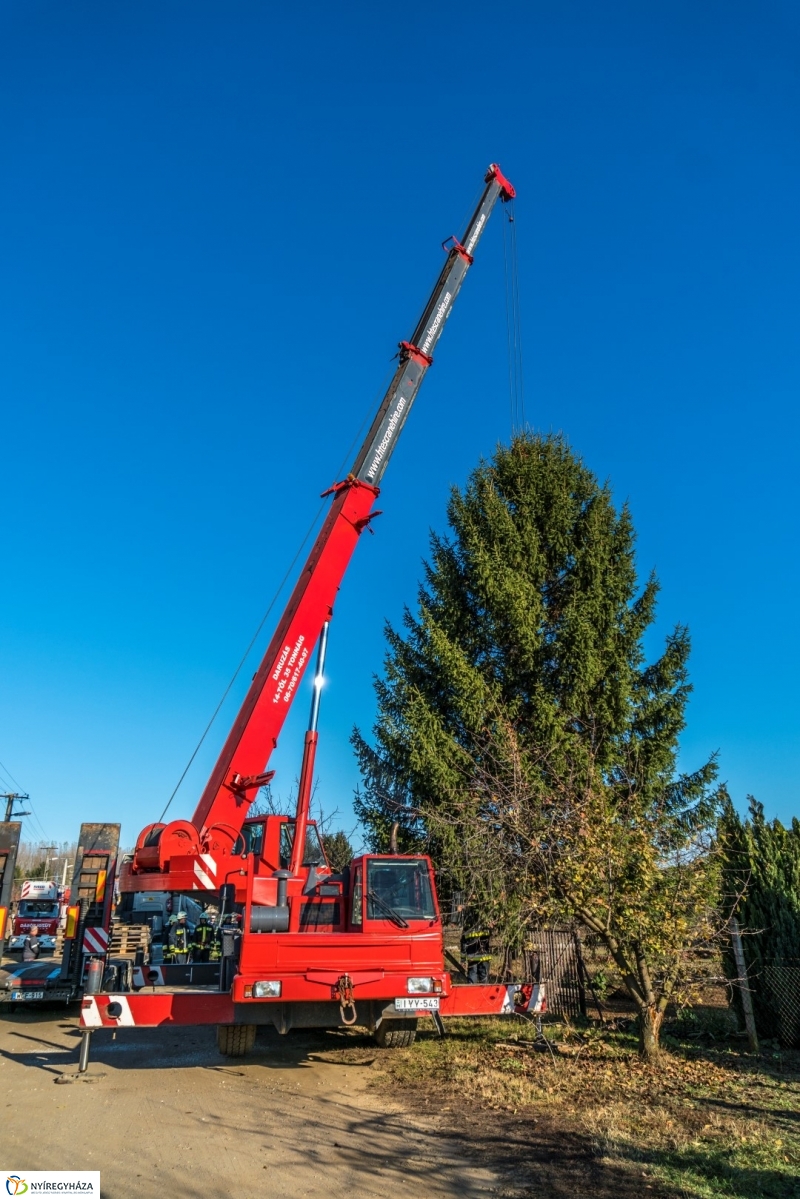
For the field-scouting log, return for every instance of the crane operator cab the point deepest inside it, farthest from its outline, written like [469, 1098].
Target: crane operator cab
[397, 890]
[376, 892]
[274, 848]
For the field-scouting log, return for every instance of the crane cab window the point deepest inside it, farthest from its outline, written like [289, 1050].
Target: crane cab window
[313, 855]
[399, 890]
[356, 911]
[253, 839]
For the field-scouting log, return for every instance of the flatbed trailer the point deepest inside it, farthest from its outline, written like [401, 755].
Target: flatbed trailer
[88, 923]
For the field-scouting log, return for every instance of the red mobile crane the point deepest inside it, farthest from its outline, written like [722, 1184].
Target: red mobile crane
[315, 948]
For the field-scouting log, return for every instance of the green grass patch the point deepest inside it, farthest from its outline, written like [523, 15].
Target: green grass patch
[709, 1121]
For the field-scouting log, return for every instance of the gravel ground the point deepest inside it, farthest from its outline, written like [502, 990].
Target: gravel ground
[162, 1113]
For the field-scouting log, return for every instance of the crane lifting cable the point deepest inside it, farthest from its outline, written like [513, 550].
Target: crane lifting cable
[516, 383]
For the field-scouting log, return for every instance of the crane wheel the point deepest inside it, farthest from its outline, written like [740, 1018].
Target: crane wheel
[396, 1034]
[235, 1040]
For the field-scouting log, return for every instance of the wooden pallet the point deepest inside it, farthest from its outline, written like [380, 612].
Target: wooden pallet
[127, 938]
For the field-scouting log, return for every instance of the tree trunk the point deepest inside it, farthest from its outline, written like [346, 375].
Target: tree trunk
[650, 1020]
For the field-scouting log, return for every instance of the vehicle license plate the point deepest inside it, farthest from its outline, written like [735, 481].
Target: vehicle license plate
[417, 1003]
[15, 995]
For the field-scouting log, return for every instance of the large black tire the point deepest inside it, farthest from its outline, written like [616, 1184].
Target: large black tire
[235, 1040]
[396, 1034]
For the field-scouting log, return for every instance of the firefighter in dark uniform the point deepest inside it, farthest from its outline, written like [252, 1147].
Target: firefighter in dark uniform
[179, 941]
[203, 940]
[475, 950]
[227, 925]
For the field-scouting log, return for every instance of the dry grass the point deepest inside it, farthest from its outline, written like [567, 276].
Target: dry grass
[710, 1121]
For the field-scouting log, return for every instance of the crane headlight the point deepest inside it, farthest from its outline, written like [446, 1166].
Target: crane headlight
[267, 990]
[424, 986]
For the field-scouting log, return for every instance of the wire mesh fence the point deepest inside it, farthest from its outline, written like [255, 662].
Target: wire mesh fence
[782, 990]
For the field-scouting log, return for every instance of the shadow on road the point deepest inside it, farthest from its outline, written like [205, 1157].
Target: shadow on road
[173, 1046]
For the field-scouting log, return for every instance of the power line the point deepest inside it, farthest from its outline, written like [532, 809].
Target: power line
[35, 815]
[14, 782]
[22, 795]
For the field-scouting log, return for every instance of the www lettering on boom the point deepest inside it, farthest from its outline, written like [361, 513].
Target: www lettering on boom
[387, 437]
[437, 320]
[475, 234]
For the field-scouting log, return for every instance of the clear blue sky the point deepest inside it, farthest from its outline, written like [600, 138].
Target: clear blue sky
[218, 219]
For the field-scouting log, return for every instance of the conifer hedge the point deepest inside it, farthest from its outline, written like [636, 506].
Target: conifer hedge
[762, 876]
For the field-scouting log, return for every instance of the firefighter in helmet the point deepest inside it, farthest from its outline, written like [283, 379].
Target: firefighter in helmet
[203, 939]
[179, 941]
[475, 949]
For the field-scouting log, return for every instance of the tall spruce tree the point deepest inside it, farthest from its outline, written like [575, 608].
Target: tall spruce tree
[522, 736]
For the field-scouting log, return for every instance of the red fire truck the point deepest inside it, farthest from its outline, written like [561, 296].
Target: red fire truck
[304, 946]
[38, 907]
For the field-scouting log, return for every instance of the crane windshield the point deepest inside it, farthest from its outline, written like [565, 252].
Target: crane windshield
[401, 887]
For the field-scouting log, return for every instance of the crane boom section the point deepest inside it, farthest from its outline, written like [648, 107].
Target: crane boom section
[239, 770]
[255, 731]
[417, 355]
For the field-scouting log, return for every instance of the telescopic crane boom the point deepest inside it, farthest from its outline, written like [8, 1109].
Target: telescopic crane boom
[302, 946]
[167, 850]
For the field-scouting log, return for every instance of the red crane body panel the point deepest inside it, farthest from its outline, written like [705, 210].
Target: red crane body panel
[186, 1006]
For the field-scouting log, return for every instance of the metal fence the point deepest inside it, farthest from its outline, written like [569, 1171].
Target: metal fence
[782, 989]
[553, 957]
[457, 900]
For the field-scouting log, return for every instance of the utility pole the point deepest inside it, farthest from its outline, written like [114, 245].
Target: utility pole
[11, 798]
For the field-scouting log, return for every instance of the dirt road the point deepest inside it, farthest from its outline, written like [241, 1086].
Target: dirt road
[165, 1114]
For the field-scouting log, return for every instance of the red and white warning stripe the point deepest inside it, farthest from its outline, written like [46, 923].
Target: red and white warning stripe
[95, 940]
[91, 1016]
[538, 1000]
[153, 978]
[38, 890]
[205, 873]
[156, 1008]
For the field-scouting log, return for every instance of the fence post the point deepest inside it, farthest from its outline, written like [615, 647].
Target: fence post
[582, 974]
[747, 999]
